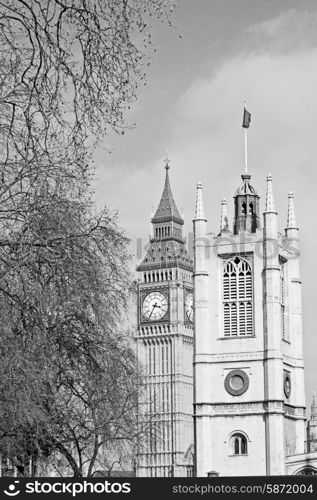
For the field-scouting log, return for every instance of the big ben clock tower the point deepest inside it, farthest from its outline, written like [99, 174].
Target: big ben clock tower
[164, 341]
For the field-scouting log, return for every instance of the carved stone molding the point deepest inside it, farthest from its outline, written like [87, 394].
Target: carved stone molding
[225, 409]
[298, 411]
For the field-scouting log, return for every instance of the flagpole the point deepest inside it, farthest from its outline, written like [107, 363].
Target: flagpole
[245, 147]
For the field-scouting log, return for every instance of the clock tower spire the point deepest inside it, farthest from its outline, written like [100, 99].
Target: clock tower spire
[167, 222]
[164, 341]
[167, 243]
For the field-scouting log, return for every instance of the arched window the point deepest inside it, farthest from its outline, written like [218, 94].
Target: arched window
[307, 471]
[251, 208]
[238, 444]
[237, 298]
[243, 209]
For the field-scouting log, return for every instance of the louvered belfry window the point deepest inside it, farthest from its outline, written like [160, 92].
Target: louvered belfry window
[237, 298]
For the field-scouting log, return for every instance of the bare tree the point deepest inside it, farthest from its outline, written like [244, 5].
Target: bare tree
[69, 70]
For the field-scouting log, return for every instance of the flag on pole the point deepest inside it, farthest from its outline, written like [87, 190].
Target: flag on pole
[246, 119]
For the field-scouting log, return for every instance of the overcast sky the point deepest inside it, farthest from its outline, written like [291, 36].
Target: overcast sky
[261, 51]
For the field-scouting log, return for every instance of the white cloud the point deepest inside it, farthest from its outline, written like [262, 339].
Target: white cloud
[290, 31]
[281, 96]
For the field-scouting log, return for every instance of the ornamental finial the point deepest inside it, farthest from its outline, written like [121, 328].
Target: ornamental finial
[291, 219]
[167, 161]
[224, 218]
[269, 195]
[199, 202]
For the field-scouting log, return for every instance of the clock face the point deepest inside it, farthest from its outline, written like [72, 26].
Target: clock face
[189, 306]
[154, 306]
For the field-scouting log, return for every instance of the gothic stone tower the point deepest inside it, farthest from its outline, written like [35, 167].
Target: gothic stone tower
[249, 403]
[165, 343]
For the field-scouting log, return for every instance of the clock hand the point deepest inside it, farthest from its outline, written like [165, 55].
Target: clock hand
[153, 307]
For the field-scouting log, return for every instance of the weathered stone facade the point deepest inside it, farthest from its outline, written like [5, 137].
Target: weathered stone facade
[249, 405]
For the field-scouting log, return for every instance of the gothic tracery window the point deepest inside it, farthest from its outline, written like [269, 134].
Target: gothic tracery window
[237, 298]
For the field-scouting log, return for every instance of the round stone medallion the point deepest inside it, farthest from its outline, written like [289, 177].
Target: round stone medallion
[287, 385]
[236, 382]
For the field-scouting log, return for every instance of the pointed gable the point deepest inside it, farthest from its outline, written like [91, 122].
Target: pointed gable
[167, 209]
[167, 245]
